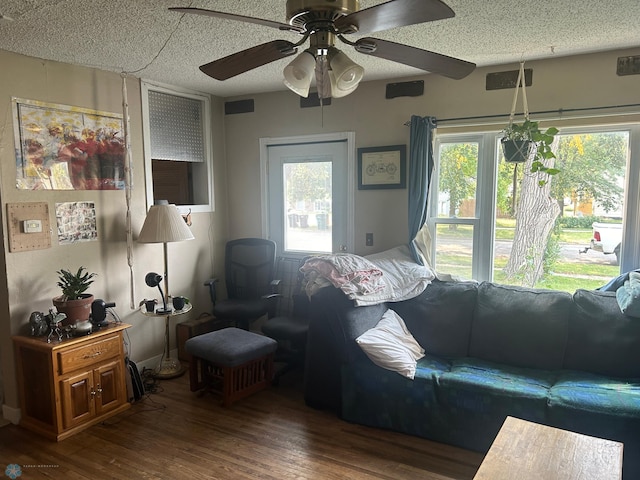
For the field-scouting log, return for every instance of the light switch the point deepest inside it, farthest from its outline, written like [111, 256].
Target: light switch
[32, 226]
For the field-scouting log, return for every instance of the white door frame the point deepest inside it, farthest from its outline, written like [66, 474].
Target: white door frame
[350, 137]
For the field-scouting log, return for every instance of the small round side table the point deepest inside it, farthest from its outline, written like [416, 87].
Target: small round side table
[168, 367]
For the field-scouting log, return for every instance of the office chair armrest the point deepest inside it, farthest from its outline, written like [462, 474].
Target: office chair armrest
[211, 283]
[271, 301]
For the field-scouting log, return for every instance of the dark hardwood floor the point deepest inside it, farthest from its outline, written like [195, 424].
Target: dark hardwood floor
[176, 434]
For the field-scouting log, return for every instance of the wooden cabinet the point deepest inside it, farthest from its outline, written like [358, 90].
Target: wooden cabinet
[70, 385]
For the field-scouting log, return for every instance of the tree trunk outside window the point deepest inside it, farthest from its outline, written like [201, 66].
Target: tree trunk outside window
[535, 217]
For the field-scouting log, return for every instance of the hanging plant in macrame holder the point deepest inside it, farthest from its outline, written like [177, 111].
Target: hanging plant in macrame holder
[518, 151]
[517, 144]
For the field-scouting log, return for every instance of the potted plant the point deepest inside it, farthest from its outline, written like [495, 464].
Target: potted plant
[524, 141]
[74, 302]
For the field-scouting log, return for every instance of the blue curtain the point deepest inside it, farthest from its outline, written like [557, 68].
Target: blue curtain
[420, 169]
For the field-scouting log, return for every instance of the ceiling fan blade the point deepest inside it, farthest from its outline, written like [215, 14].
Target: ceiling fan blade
[240, 18]
[394, 13]
[415, 57]
[248, 59]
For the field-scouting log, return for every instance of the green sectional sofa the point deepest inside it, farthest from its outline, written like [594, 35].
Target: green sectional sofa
[568, 361]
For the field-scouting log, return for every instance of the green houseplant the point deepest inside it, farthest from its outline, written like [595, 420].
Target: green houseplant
[524, 141]
[74, 301]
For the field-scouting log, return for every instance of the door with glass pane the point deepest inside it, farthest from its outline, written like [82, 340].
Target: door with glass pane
[307, 191]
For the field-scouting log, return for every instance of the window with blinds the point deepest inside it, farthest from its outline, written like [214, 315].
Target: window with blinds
[177, 147]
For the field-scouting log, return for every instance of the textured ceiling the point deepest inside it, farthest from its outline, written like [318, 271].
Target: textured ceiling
[143, 38]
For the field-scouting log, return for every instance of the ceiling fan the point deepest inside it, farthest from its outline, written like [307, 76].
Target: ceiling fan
[321, 22]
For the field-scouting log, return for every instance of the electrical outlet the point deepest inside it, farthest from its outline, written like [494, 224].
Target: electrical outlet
[369, 240]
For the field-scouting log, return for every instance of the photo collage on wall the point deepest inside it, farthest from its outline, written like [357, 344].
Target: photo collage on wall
[76, 222]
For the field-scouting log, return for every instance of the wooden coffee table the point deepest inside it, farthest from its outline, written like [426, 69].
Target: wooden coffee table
[527, 451]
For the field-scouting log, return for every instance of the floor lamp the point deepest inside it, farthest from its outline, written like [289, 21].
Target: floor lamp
[164, 224]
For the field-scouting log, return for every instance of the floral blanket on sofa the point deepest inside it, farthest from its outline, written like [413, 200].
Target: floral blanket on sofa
[389, 276]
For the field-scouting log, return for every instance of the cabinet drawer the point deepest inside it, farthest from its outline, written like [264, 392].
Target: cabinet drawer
[86, 355]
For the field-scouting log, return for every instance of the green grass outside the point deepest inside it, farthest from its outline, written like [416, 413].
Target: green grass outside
[555, 282]
[566, 276]
[577, 236]
[586, 269]
[503, 231]
[567, 284]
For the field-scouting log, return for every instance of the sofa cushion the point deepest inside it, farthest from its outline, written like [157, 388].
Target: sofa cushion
[519, 326]
[597, 394]
[391, 346]
[381, 398]
[476, 396]
[602, 339]
[431, 367]
[440, 317]
[602, 407]
[487, 377]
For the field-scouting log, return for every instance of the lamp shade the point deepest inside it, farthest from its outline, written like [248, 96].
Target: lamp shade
[164, 224]
[345, 74]
[299, 73]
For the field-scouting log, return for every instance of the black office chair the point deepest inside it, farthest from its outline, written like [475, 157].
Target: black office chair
[249, 270]
[290, 325]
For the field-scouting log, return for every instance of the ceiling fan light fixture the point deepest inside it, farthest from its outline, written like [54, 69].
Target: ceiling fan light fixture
[345, 74]
[299, 73]
[321, 22]
[339, 92]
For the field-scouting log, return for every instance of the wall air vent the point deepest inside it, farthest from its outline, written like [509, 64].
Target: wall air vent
[239, 106]
[628, 66]
[405, 89]
[313, 101]
[507, 79]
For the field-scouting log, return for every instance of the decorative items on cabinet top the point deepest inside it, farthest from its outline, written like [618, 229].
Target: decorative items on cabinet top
[65, 340]
[55, 327]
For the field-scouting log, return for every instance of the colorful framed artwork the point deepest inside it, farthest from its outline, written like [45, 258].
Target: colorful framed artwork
[59, 147]
[382, 167]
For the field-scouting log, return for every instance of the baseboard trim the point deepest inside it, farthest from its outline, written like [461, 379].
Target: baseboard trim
[11, 414]
[153, 362]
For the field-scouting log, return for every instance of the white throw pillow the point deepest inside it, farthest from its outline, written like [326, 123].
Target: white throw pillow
[390, 345]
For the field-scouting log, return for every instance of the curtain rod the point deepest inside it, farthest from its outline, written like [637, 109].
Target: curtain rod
[559, 111]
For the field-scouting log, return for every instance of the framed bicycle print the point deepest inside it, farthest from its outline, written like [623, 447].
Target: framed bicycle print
[382, 167]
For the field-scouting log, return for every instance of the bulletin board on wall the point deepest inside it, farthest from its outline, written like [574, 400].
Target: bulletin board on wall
[17, 215]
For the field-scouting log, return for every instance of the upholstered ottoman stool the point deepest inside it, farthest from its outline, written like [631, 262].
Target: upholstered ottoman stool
[231, 361]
